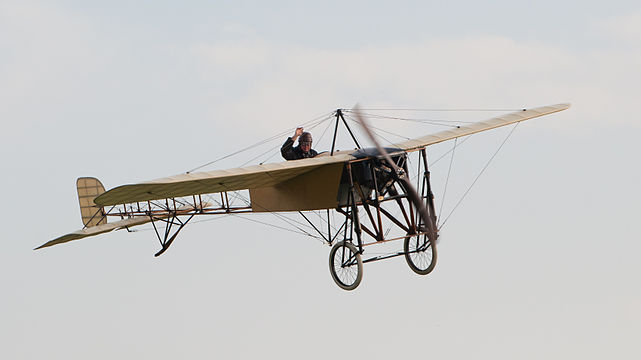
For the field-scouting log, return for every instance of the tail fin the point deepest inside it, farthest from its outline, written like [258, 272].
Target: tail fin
[88, 189]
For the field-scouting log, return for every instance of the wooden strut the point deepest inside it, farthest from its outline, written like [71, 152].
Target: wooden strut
[356, 223]
[363, 227]
[428, 188]
[392, 190]
[364, 201]
[167, 242]
[339, 115]
[377, 201]
[391, 194]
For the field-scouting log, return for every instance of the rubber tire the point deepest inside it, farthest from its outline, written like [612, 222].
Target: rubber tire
[410, 262]
[359, 265]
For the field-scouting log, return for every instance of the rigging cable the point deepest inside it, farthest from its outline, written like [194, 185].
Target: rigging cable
[301, 232]
[479, 175]
[257, 144]
[278, 146]
[438, 110]
[282, 217]
[317, 141]
[327, 116]
[375, 133]
[379, 129]
[447, 179]
[424, 121]
[450, 150]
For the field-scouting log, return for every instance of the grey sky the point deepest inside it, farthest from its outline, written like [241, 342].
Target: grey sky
[540, 261]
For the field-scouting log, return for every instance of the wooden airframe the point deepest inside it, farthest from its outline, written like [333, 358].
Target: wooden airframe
[342, 181]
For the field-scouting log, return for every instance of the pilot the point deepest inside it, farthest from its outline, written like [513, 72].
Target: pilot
[303, 150]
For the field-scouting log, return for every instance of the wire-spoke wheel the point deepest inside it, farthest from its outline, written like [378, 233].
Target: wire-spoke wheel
[345, 265]
[420, 254]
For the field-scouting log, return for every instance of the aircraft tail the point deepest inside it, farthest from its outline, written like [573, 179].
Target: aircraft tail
[88, 189]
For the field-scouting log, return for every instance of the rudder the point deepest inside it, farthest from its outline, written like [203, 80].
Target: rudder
[88, 189]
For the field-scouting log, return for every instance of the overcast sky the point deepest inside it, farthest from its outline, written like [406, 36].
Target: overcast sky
[540, 260]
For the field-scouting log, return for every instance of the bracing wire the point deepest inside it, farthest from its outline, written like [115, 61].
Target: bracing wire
[424, 121]
[375, 133]
[192, 222]
[321, 219]
[274, 148]
[280, 134]
[280, 227]
[261, 155]
[288, 221]
[437, 109]
[278, 146]
[450, 150]
[329, 124]
[479, 175]
[299, 226]
[447, 180]
[351, 118]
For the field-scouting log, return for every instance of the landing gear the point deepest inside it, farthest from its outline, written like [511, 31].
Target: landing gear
[420, 254]
[345, 265]
[381, 188]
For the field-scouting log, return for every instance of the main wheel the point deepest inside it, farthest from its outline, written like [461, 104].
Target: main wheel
[345, 265]
[420, 254]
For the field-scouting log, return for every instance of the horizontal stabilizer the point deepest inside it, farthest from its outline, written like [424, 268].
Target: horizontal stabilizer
[121, 224]
[96, 230]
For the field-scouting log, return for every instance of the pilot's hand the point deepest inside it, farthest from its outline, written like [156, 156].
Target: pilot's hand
[297, 133]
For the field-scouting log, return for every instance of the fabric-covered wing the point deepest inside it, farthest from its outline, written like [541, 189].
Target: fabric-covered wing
[507, 119]
[257, 176]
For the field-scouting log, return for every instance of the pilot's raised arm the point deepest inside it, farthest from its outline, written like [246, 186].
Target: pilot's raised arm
[304, 148]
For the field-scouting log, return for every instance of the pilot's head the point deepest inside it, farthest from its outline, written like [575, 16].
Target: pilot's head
[305, 141]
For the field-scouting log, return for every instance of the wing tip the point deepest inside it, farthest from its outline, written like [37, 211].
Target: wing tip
[42, 246]
[558, 107]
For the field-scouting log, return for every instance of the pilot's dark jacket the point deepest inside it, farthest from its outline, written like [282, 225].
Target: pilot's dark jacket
[290, 152]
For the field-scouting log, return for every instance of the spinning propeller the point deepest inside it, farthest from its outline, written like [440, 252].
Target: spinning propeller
[402, 177]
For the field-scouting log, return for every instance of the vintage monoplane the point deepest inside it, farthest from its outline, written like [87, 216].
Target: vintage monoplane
[361, 185]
